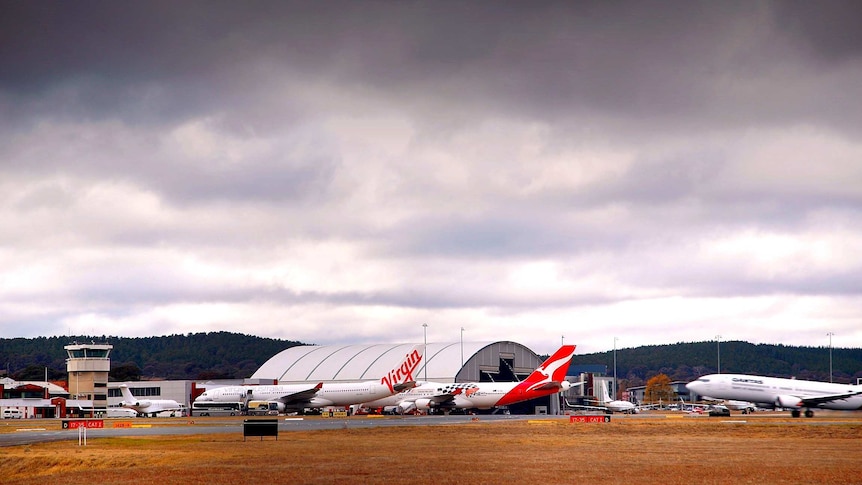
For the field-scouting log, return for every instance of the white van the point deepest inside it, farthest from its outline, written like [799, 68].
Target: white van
[10, 413]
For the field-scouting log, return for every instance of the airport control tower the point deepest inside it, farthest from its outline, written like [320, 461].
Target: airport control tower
[88, 366]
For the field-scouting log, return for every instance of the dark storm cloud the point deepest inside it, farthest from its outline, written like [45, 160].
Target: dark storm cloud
[830, 30]
[548, 60]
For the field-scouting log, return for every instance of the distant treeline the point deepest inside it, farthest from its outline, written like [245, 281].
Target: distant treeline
[224, 355]
[213, 355]
[687, 361]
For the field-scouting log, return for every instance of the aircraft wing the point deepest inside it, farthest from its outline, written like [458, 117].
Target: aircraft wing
[404, 386]
[446, 396]
[442, 398]
[817, 400]
[556, 386]
[301, 396]
[584, 406]
[547, 386]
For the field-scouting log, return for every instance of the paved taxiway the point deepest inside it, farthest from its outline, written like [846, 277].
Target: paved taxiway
[36, 431]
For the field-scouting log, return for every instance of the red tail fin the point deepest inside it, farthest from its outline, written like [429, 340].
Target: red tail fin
[555, 368]
[547, 379]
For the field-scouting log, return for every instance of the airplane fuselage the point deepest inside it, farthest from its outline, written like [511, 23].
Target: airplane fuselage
[330, 394]
[776, 391]
[472, 395]
[147, 406]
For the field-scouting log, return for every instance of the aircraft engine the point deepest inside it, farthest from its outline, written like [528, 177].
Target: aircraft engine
[788, 402]
[406, 406]
[424, 404]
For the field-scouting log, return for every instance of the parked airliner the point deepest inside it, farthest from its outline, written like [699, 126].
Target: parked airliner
[615, 405]
[605, 403]
[793, 394]
[548, 379]
[320, 394]
[147, 407]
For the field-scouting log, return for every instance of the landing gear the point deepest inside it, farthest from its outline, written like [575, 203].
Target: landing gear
[796, 413]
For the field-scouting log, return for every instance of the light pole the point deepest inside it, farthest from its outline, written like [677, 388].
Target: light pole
[425, 348]
[614, 387]
[830, 334]
[462, 346]
[718, 351]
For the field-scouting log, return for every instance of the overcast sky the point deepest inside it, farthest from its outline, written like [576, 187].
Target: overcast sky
[343, 172]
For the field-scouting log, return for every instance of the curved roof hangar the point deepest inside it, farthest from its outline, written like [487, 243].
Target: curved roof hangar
[445, 362]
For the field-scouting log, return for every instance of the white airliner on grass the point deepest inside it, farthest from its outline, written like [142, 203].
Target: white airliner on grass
[549, 378]
[320, 394]
[147, 407]
[792, 394]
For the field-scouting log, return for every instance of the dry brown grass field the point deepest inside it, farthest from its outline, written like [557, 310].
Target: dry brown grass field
[626, 451]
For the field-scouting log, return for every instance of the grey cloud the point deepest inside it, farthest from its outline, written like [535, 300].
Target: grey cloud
[91, 92]
[830, 30]
[682, 61]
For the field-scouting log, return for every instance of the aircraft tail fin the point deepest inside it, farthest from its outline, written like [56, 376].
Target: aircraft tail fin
[402, 374]
[555, 367]
[605, 396]
[128, 398]
[548, 378]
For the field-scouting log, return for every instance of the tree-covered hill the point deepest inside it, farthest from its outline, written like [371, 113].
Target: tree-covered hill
[231, 355]
[687, 361]
[192, 356]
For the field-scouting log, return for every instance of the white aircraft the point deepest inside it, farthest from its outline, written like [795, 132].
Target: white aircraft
[147, 407]
[548, 379]
[318, 395]
[605, 403]
[615, 405]
[745, 406]
[783, 393]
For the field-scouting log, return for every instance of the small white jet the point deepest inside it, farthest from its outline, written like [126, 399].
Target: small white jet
[605, 403]
[792, 394]
[321, 394]
[745, 406]
[615, 405]
[147, 407]
[549, 378]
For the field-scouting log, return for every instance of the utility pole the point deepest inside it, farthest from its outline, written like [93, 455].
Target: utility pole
[462, 346]
[830, 334]
[425, 348]
[614, 387]
[718, 351]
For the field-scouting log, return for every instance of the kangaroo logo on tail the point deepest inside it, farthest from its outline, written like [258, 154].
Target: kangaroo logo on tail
[554, 369]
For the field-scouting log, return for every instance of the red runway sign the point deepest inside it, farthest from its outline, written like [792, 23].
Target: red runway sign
[589, 419]
[83, 423]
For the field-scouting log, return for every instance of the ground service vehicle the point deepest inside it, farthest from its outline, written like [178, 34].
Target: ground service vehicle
[10, 413]
[209, 408]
